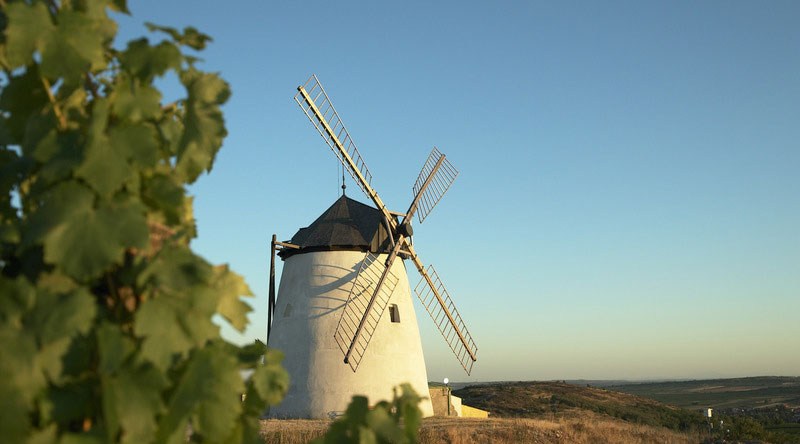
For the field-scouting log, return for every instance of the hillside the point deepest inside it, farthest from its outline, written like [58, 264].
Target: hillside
[556, 399]
[736, 393]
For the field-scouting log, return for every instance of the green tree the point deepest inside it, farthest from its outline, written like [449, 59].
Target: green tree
[105, 311]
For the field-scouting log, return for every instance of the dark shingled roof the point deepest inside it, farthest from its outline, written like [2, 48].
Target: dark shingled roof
[346, 225]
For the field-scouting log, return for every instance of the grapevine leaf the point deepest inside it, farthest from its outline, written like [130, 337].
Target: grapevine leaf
[230, 286]
[104, 168]
[59, 316]
[381, 423]
[145, 61]
[408, 405]
[44, 436]
[252, 353]
[204, 127]
[176, 269]
[132, 398]
[178, 316]
[27, 26]
[171, 130]
[73, 48]
[172, 325]
[204, 394]
[18, 383]
[136, 142]
[68, 402]
[93, 239]
[113, 346]
[23, 96]
[18, 297]
[93, 436]
[271, 380]
[120, 6]
[134, 102]
[161, 192]
[60, 204]
[190, 37]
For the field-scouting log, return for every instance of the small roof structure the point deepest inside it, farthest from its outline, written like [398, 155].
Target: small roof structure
[345, 225]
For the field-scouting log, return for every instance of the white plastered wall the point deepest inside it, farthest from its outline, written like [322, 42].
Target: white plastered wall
[313, 290]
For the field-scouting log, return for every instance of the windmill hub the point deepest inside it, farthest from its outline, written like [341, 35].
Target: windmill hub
[405, 229]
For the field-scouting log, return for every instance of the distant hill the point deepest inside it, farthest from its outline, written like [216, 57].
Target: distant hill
[557, 399]
[733, 393]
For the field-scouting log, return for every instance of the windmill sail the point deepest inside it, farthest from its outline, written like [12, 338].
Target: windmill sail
[437, 302]
[357, 308]
[326, 120]
[443, 176]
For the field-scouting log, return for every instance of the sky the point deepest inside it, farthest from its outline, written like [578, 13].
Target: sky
[628, 199]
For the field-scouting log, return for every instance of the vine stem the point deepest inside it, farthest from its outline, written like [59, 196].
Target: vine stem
[62, 122]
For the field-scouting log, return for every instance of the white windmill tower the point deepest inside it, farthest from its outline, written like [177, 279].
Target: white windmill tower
[340, 275]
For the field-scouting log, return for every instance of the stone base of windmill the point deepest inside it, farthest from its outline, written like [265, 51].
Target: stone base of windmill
[313, 289]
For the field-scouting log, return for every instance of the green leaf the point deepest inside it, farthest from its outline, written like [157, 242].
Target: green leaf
[83, 240]
[23, 97]
[60, 154]
[171, 131]
[271, 380]
[145, 61]
[27, 27]
[104, 168]
[230, 286]
[132, 401]
[208, 394]
[113, 347]
[75, 46]
[190, 37]
[177, 316]
[135, 102]
[164, 193]
[18, 297]
[59, 316]
[19, 370]
[137, 142]
[93, 436]
[46, 435]
[61, 203]
[204, 127]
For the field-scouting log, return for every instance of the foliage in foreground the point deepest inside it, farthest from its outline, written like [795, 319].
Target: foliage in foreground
[106, 312]
[388, 422]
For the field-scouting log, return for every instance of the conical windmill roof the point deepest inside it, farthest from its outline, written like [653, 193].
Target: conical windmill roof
[345, 225]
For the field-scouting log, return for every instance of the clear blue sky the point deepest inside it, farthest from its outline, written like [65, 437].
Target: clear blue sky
[628, 204]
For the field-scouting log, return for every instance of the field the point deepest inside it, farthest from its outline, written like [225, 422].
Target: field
[557, 412]
[588, 428]
[542, 412]
[739, 393]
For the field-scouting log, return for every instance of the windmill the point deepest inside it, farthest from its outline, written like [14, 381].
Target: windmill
[340, 275]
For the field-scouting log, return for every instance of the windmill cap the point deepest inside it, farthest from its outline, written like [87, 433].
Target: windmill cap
[345, 225]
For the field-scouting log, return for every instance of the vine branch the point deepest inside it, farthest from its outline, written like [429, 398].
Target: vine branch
[62, 122]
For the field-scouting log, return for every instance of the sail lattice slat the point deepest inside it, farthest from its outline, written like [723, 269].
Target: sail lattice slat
[439, 184]
[449, 330]
[320, 111]
[356, 308]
